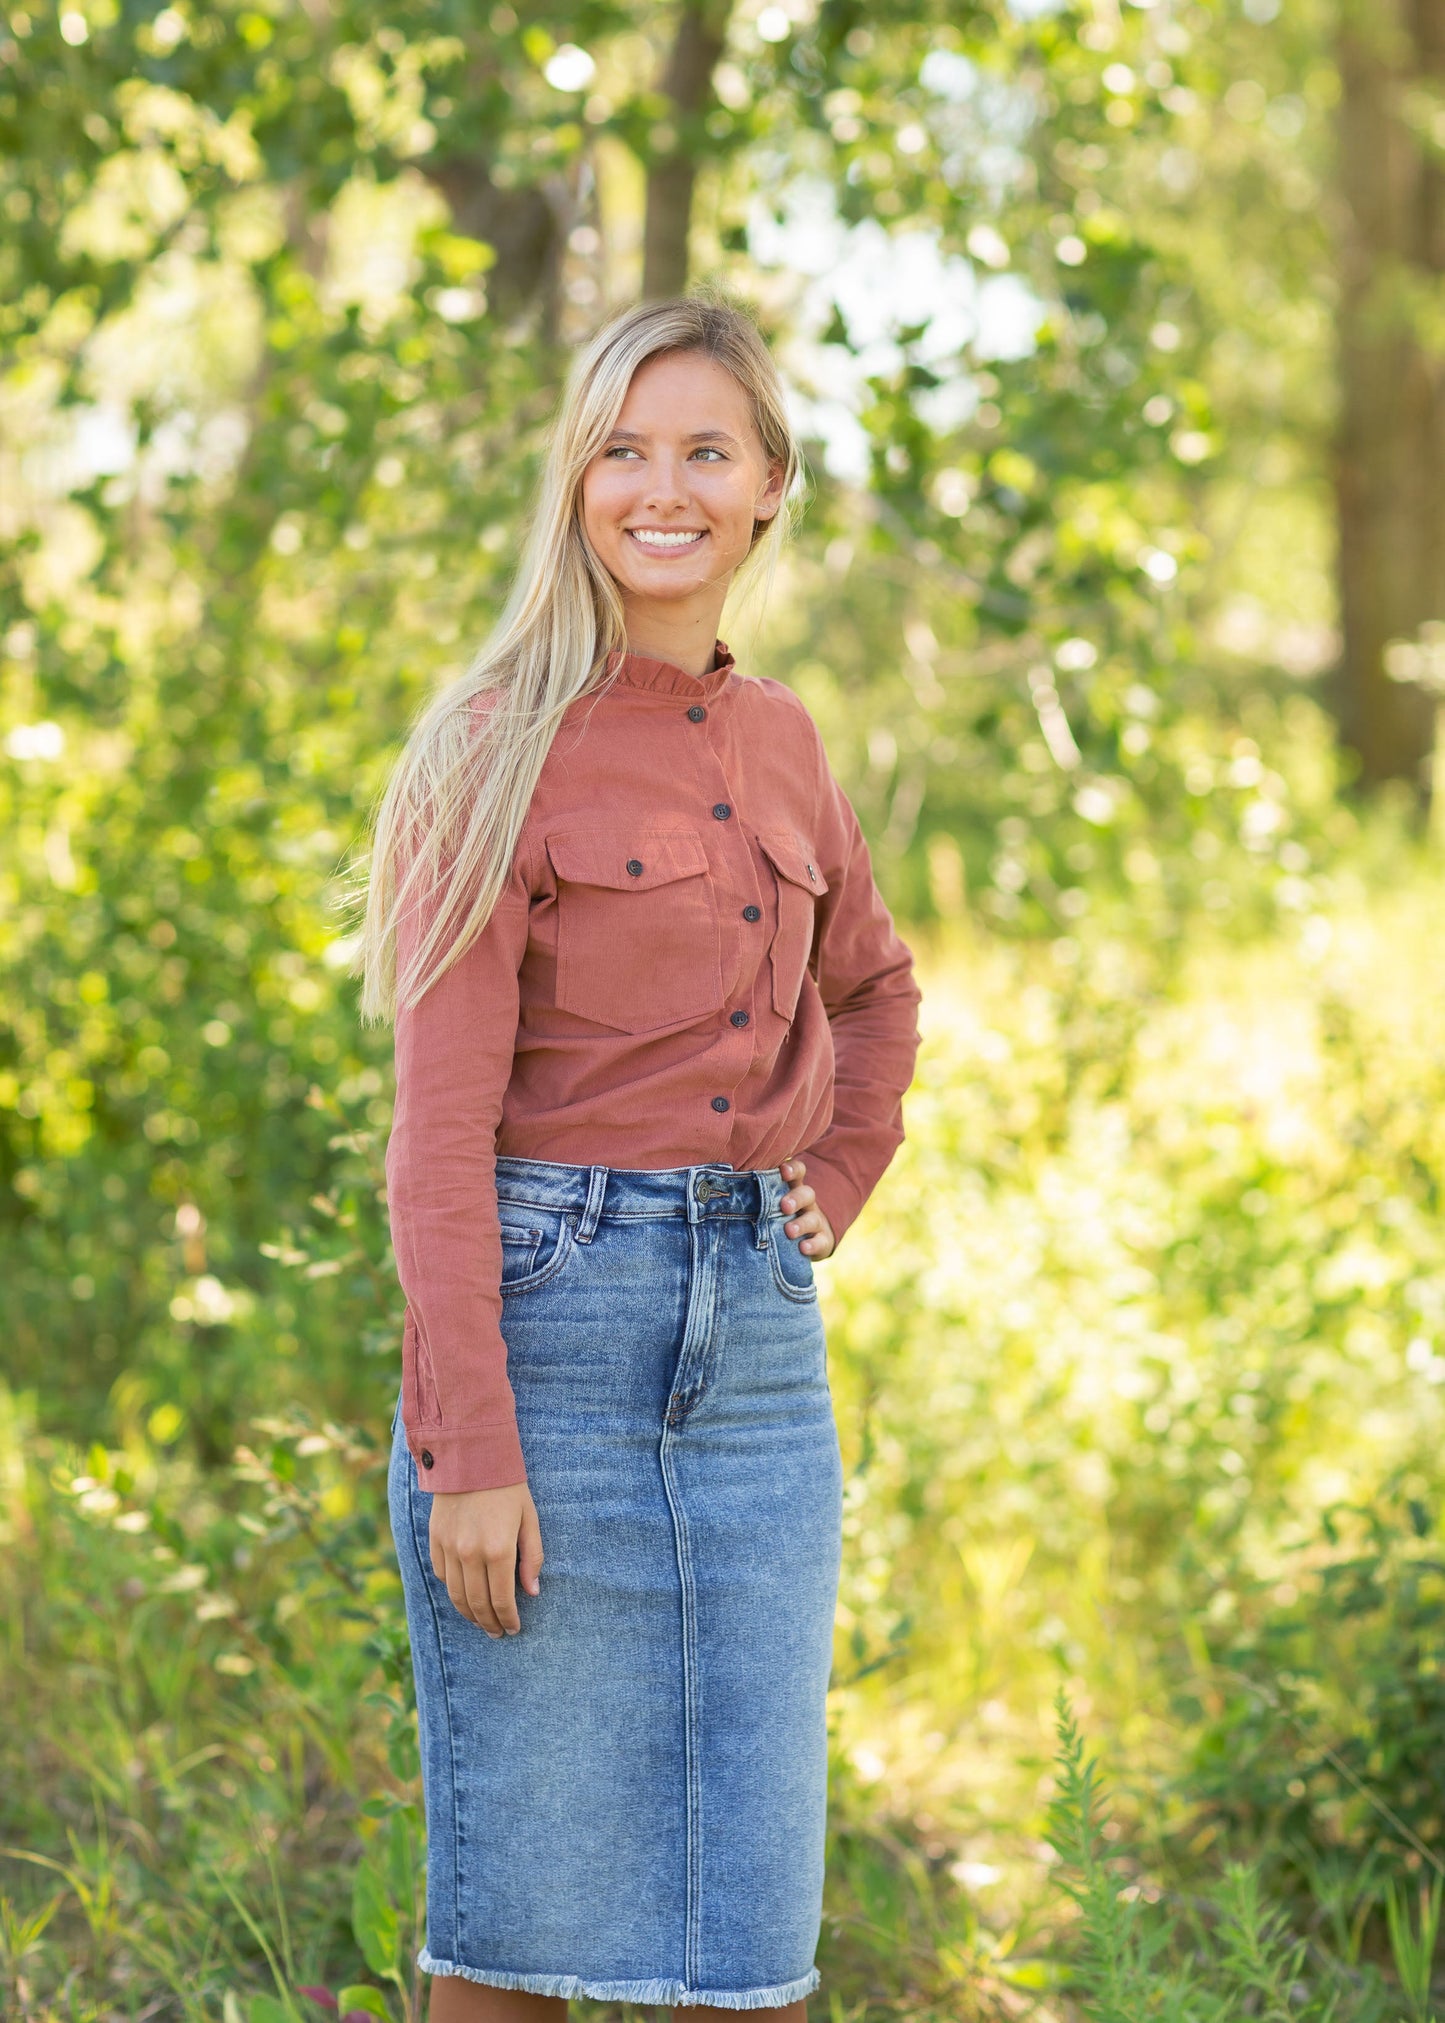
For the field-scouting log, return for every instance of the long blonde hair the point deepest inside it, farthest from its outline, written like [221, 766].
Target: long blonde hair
[447, 825]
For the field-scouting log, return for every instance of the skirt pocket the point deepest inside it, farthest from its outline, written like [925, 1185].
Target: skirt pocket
[792, 1269]
[536, 1244]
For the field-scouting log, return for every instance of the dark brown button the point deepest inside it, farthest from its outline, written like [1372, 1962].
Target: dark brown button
[722, 811]
[721, 1103]
[752, 913]
[696, 713]
[634, 867]
[738, 1018]
[426, 1459]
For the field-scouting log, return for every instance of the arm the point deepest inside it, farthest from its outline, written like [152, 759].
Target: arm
[865, 977]
[453, 1061]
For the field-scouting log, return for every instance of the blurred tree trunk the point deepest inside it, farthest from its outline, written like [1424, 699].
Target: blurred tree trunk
[672, 171]
[1391, 453]
[522, 226]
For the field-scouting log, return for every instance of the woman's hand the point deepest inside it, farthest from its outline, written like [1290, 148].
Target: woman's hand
[809, 1222]
[480, 1540]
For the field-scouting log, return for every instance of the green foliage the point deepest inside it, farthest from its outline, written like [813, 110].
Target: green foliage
[276, 347]
[1322, 1734]
[1137, 1358]
[1060, 1464]
[1118, 1965]
[1139, 1953]
[1412, 1944]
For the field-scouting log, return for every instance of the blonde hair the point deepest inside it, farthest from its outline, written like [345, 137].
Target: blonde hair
[447, 825]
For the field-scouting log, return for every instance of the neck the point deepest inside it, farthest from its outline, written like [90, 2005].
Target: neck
[684, 634]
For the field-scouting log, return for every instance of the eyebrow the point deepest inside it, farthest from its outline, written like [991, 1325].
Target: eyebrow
[703, 435]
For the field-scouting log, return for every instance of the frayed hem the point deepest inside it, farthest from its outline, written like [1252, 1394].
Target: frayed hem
[645, 1994]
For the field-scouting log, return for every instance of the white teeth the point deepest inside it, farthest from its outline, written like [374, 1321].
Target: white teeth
[652, 537]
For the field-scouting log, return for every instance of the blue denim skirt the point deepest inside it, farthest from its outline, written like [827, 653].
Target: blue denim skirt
[627, 1801]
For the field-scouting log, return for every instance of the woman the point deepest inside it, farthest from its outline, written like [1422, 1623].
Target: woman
[653, 1025]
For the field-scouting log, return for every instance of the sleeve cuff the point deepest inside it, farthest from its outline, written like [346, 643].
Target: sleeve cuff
[450, 1461]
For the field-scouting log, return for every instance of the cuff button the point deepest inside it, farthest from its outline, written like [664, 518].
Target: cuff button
[426, 1458]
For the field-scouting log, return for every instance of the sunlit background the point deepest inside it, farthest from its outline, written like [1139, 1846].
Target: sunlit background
[1114, 335]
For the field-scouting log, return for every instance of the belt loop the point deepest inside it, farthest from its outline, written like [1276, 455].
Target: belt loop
[592, 1212]
[763, 1210]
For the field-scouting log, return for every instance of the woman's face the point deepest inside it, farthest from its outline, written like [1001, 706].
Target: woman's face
[670, 499]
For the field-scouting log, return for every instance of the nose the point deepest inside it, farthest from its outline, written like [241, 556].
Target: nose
[666, 487]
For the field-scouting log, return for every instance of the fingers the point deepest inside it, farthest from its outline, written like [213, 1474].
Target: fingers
[529, 1550]
[475, 1542]
[502, 1585]
[484, 1591]
[815, 1236]
[807, 1218]
[454, 1573]
[807, 1223]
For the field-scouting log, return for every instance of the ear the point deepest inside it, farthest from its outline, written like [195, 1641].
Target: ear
[771, 496]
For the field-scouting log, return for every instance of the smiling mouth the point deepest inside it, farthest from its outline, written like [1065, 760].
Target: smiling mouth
[657, 542]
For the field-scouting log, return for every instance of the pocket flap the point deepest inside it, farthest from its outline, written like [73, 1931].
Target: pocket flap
[586, 858]
[790, 859]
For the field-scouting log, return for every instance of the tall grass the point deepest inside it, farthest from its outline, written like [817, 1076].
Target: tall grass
[1138, 1364]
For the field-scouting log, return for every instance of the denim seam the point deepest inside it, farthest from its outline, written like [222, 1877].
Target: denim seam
[628, 1214]
[698, 1322]
[691, 1764]
[566, 1244]
[800, 1296]
[424, 1559]
[572, 1206]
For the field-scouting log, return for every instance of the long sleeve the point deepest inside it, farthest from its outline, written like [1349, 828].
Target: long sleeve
[454, 1054]
[865, 979]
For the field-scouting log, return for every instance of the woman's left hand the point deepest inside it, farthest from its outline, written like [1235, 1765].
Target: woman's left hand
[808, 1221]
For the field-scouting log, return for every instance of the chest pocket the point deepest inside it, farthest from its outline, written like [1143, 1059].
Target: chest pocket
[637, 928]
[800, 885]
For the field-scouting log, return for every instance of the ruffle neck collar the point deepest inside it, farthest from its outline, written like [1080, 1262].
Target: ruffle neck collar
[664, 677]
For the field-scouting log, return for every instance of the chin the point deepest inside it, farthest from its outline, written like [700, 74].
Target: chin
[664, 582]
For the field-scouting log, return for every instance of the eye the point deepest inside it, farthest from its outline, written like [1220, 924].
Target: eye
[709, 450]
[620, 450]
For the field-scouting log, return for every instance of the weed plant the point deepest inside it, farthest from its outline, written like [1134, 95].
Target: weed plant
[1138, 1371]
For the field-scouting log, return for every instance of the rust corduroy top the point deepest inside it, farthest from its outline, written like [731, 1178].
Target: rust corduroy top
[690, 964]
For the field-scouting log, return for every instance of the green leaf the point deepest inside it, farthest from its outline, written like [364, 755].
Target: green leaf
[361, 1997]
[401, 1859]
[374, 1920]
[266, 2009]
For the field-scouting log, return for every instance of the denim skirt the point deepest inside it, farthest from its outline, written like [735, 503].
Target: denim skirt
[627, 1801]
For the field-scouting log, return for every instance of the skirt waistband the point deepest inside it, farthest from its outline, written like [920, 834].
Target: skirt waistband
[630, 1194]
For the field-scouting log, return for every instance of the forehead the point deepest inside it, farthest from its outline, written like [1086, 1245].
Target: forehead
[683, 391]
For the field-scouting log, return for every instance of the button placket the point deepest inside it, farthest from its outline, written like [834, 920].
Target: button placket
[724, 810]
